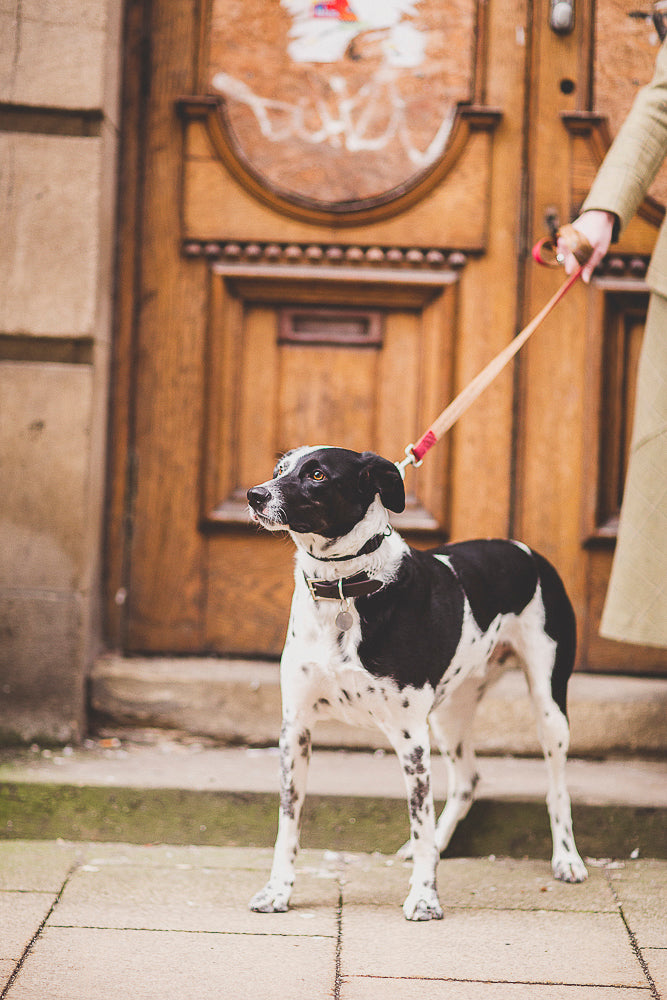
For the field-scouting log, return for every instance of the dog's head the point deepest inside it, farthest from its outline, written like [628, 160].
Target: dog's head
[325, 491]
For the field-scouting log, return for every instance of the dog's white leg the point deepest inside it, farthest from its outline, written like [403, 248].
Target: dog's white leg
[413, 751]
[295, 744]
[452, 728]
[451, 724]
[554, 735]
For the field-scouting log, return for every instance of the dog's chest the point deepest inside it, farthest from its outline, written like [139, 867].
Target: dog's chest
[321, 666]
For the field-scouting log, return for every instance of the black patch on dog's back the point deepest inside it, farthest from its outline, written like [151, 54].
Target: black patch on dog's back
[498, 577]
[411, 629]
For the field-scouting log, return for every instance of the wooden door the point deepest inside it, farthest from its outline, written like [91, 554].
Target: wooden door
[577, 378]
[324, 235]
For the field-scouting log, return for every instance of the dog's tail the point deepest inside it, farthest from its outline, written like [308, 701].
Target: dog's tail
[561, 626]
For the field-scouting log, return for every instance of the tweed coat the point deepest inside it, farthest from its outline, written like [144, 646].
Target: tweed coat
[636, 604]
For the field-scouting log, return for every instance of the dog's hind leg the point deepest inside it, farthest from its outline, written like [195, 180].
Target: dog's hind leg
[413, 751]
[451, 724]
[295, 745]
[554, 736]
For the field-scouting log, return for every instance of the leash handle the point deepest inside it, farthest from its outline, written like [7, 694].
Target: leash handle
[415, 452]
[545, 251]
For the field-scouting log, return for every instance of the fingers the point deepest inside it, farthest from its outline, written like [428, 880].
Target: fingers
[596, 227]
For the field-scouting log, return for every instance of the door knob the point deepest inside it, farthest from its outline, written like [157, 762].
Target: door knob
[561, 17]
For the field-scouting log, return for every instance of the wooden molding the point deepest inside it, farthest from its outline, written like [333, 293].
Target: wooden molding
[616, 315]
[212, 112]
[256, 256]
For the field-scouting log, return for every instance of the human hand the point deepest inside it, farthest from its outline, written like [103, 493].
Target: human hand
[597, 227]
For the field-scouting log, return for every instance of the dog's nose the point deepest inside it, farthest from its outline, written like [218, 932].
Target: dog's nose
[258, 497]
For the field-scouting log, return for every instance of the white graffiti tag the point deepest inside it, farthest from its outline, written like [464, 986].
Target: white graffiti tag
[350, 126]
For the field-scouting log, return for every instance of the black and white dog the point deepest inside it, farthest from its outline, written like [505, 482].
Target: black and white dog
[410, 640]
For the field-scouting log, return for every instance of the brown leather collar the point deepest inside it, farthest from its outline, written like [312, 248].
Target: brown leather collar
[359, 585]
[371, 545]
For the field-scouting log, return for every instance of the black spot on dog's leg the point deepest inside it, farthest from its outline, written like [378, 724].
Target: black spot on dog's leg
[417, 759]
[304, 743]
[418, 806]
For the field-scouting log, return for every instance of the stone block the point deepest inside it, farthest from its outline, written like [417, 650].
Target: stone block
[239, 702]
[587, 949]
[54, 52]
[50, 865]
[45, 415]
[50, 187]
[41, 677]
[20, 913]
[122, 895]
[80, 963]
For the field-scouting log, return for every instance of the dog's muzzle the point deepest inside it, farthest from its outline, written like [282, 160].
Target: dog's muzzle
[259, 498]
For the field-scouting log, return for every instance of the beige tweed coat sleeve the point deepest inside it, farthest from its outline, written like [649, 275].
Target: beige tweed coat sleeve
[632, 162]
[636, 605]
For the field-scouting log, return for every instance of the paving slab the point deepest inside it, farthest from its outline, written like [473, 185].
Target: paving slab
[50, 863]
[641, 890]
[21, 915]
[479, 883]
[370, 988]
[656, 960]
[502, 946]
[80, 963]
[193, 855]
[7, 967]
[171, 921]
[176, 898]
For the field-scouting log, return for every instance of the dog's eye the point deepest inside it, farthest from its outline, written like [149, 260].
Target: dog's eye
[317, 476]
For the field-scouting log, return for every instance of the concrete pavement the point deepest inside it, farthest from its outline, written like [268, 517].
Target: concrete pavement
[86, 921]
[162, 911]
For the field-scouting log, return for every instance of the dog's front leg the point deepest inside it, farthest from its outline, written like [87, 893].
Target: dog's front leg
[413, 751]
[295, 743]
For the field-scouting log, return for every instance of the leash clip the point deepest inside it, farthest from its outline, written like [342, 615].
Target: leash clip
[410, 459]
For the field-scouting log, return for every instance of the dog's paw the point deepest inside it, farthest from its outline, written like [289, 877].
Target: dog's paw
[569, 868]
[422, 906]
[270, 899]
[405, 853]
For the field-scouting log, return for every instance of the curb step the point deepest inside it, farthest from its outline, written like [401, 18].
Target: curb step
[238, 702]
[184, 792]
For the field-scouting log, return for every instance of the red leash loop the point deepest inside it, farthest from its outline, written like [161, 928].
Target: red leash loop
[415, 452]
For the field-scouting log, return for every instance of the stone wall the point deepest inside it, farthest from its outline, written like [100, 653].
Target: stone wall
[59, 101]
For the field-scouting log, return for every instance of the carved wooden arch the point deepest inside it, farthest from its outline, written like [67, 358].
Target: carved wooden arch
[211, 112]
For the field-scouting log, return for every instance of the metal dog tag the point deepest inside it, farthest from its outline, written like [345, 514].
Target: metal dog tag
[344, 620]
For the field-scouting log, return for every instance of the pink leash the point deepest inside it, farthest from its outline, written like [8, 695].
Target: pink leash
[415, 452]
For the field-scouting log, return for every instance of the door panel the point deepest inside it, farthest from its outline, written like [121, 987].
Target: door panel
[281, 374]
[329, 258]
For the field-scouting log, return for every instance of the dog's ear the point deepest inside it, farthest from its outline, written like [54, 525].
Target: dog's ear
[379, 475]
